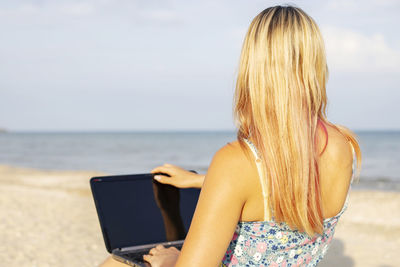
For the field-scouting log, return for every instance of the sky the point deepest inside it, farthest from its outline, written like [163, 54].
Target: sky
[147, 65]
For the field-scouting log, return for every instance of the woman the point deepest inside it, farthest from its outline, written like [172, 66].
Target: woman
[274, 196]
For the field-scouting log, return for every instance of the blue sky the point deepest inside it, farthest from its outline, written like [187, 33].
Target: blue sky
[171, 65]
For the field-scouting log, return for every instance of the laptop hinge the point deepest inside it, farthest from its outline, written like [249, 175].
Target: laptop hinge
[148, 246]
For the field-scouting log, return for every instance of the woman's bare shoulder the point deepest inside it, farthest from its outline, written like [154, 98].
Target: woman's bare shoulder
[233, 162]
[232, 155]
[338, 148]
[335, 167]
[226, 174]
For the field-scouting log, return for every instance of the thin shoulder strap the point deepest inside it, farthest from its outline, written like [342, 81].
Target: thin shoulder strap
[263, 182]
[354, 161]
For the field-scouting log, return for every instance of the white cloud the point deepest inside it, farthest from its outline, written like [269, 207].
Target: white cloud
[161, 15]
[75, 8]
[358, 5]
[23, 9]
[353, 51]
[342, 4]
[52, 11]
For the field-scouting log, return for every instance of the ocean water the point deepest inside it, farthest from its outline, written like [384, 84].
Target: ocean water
[137, 152]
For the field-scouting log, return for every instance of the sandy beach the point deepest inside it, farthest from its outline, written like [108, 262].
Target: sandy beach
[49, 219]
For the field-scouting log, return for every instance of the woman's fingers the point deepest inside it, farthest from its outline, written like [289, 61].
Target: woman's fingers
[178, 176]
[147, 258]
[163, 179]
[153, 252]
[156, 249]
[168, 165]
[164, 169]
[167, 169]
[159, 246]
[173, 249]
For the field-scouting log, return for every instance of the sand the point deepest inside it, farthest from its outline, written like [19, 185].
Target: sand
[48, 218]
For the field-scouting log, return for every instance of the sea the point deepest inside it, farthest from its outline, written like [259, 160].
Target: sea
[139, 152]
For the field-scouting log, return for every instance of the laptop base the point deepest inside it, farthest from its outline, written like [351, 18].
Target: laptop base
[133, 256]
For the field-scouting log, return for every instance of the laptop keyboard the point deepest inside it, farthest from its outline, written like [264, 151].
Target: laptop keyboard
[138, 254]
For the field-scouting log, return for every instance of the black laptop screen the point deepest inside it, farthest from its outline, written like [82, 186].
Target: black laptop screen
[130, 214]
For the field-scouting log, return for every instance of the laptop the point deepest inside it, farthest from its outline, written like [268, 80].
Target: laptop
[136, 213]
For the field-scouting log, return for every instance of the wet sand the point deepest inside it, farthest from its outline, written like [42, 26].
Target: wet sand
[48, 218]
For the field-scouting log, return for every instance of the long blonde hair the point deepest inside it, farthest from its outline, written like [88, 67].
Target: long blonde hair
[280, 96]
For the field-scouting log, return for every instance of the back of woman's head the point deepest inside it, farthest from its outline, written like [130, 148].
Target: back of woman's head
[283, 66]
[280, 96]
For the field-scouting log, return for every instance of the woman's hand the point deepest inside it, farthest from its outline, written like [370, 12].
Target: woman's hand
[179, 177]
[162, 257]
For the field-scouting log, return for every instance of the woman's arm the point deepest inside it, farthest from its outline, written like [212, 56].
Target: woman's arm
[217, 214]
[218, 211]
[179, 177]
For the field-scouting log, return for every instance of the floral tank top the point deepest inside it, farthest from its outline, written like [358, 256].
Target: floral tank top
[268, 243]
